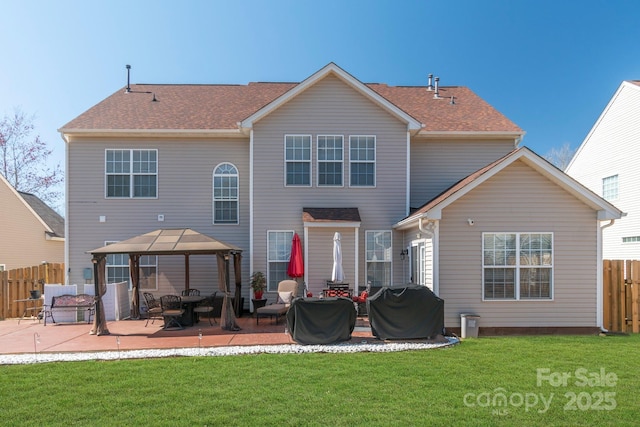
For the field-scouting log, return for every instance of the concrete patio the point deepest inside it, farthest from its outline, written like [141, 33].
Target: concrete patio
[30, 335]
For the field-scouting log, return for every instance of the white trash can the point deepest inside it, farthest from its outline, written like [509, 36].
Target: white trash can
[470, 325]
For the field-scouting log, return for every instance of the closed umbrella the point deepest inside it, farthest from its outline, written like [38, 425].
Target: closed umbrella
[296, 264]
[337, 274]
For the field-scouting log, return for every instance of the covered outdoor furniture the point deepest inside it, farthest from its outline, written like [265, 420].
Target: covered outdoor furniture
[172, 311]
[321, 321]
[154, 310]
[206, 306]
[410, 312]
[287, 291]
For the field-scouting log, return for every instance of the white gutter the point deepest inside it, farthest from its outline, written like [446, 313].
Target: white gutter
[599, 273]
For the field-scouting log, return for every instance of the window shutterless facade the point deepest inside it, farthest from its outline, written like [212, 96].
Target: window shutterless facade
[131, 173]
[225, 194]
[278, 253]
[330, 160]
[118, 270]
[517, 266]
[610, 187]
[378, 257]
[297, 154]
[362, 161]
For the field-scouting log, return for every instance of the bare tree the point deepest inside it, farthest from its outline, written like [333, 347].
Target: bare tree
[23, 159]
[560, 157]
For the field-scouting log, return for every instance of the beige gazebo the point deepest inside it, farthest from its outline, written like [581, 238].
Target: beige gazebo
[179, 241]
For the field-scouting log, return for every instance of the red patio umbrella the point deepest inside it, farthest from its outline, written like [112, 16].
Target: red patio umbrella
[296, 265]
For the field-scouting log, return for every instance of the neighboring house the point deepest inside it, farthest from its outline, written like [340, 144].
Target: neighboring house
[607, 163]
[31, 232]
[425, 184]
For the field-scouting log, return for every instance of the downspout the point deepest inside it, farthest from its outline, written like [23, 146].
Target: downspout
[251, 175]
[599, 272]
[433, 232]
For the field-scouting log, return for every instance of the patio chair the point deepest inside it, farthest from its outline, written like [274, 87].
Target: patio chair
[187, 292]
[287, 290]
[154, 310]
[172, 311]
[206, 306]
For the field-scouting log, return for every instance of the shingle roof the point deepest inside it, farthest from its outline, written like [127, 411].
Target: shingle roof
[48, 215]
[330, 215]
[221, 107]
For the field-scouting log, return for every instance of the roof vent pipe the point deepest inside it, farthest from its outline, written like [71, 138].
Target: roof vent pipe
[430, 85]
[128, 75]
[437, 94]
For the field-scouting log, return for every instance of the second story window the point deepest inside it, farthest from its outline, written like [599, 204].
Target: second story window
[225, 194]
[297, 155]
[330, 155]
[131, 173]
[362, 161]
[610, 187]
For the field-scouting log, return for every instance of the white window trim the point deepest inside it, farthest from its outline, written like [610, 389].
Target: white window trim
[108, 242]
[237, 199]
[310, 161]
[269, 260]
[390, 261]
[318, 161]
[131, 174]
[375, 161]
[517, 267]
[617, 187]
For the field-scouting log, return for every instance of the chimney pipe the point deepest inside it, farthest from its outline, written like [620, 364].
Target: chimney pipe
[128, 75]
[437, 94]
[430, 85]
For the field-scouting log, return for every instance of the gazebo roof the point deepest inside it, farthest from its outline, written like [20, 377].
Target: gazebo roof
[168, 242]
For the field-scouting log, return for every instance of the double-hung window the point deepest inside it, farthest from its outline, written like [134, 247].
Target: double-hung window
[118, 270]
[362, 161]
[378, 257]
[297, 154]
[610, 187]
[330, 160]
[225, 194]
[131, 173]
[278, 253]
[517, 266]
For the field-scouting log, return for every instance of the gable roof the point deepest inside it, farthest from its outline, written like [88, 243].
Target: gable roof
[223, 109]
[433, 208]
[333, 69]
[51, 221]
[54, 221]
[630, 84]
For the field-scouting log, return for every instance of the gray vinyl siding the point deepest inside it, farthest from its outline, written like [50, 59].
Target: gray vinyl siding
[329, 107]
[185, 180]
[518, 199]
[438, 164]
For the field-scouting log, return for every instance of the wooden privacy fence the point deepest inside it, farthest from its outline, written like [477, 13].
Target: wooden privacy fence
[17, 284]
[621, 305]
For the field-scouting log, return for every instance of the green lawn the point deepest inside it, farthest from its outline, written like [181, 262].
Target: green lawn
[547, 381]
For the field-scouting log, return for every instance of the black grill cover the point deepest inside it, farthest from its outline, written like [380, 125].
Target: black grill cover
[321, 321]
[406, 313]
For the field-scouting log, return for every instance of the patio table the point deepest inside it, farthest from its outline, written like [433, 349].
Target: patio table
[34, 308]
[321, 321]
[189, 318]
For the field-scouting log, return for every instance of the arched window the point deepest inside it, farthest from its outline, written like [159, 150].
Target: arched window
[225, 194]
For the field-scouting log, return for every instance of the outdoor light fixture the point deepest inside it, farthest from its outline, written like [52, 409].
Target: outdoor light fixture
[404, 253]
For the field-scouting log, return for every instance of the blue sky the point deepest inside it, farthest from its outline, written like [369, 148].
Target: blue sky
[549, 66]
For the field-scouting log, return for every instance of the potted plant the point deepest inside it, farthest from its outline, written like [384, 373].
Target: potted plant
[258, 284]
